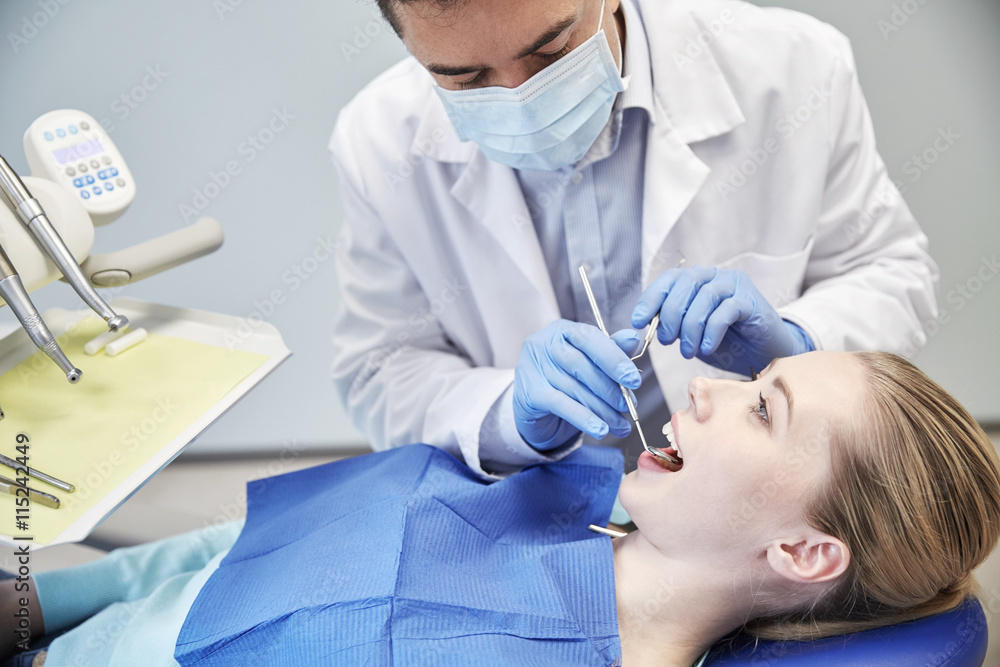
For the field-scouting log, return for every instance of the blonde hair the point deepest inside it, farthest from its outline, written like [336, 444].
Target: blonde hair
[914, 493]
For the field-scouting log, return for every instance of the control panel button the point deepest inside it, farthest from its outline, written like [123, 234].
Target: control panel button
[78, 182]
[72, 129]
[109, 187]
[71, 172]
[120, 182]
[84, 125]
[114, 172]
[82, 168]
[84, 194]
[106, 160]
[97, 190]
[103, 174]
[48, 136]
[90, 179]
[60, 133]
[95, 164]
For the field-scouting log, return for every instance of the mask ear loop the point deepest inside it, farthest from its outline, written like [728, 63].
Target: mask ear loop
[621, 53]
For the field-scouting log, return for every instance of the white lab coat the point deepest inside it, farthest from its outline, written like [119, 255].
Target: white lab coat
[760, 157]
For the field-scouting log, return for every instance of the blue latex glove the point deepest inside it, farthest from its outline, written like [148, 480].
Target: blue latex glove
[566, 381]
[720, 317]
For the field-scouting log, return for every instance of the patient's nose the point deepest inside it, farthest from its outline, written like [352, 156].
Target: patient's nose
[699, 397]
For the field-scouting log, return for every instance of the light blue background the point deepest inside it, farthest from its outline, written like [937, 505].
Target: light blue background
[225, 66]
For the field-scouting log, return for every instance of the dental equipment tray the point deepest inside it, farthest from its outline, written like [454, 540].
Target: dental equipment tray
[128, 417]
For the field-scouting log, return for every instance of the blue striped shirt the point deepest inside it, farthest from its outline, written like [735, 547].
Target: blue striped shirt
[591, 214]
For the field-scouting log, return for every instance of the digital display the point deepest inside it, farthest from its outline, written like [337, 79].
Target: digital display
[78, 152]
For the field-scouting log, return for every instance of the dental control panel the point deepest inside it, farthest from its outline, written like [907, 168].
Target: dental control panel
[72, 149]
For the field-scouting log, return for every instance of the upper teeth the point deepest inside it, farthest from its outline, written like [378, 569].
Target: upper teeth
[668, 430]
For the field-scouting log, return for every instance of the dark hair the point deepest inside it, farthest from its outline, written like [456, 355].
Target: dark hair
[387, 8]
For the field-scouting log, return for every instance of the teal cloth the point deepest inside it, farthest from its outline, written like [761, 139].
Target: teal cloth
[131, 604]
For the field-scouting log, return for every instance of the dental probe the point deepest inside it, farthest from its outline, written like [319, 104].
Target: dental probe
[8, 485]
[13, 292]
[625, 392]
[33, 216]
[37, 474]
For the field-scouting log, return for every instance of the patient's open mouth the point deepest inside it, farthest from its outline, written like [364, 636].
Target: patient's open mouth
[673, 450]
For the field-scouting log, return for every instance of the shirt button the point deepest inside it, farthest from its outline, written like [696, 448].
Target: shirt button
[577, 178]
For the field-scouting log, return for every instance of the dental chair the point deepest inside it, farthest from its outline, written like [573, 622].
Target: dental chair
[956, 638]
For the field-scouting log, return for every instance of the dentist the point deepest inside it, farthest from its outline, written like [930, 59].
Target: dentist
[525, 138]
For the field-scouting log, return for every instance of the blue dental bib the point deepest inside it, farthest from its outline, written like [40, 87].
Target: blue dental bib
[406, 558]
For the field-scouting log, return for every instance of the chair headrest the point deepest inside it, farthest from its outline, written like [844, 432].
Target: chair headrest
[956, 638]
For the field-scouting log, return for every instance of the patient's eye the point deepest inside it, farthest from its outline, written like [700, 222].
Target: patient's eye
[760, 410]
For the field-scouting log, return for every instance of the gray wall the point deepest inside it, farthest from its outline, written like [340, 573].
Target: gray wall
[224, 67]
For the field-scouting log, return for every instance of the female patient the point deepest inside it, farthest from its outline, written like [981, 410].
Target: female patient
[836, 492]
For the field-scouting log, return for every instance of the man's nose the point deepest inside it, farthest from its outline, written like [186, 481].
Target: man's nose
[516, 73]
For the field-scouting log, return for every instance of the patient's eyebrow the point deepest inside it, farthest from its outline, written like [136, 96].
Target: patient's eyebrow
[783, 388]
[548, 36]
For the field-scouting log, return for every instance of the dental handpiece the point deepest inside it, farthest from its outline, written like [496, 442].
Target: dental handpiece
[13, 292]
[31, 213]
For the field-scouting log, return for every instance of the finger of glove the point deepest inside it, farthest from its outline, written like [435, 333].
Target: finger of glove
[609, 413]
[628, 340]
[568, 361]
[730, 312]
[603, 352]
[568, 399]
[557, 403]
[708, 298]
[651, 300]
[652, 297]
[674, 310]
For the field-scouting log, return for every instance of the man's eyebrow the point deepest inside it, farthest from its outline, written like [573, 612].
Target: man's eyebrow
[550, 34]
[445, 70]
[783, 388]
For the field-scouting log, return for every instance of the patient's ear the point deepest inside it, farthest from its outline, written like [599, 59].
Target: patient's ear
[813, 558]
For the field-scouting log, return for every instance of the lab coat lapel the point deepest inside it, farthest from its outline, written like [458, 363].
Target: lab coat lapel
[692, 102]
[491, 193]
[674, 175]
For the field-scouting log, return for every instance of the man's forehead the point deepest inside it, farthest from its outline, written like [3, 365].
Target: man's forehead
[485, 27]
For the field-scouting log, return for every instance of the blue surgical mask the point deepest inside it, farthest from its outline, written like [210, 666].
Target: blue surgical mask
[552, 119]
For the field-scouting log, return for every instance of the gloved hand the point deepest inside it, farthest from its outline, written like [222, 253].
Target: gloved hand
[566, 381]
[720, 316]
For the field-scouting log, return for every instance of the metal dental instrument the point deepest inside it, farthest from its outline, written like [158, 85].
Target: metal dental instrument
[651, 329]
[37, 474]
[33, 216]
[629, 401]
[13, 292]
[650, 335]
[606, 531]
[8, 485]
